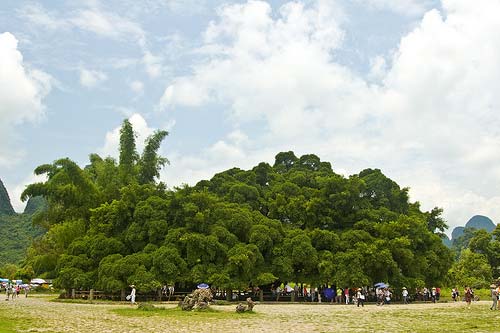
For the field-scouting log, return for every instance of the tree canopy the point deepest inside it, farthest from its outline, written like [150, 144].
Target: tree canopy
[111, 224]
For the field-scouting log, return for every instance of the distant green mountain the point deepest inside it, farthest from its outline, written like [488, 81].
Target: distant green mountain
[35, 204]
[481, 222]
[457, 232]
[5, 205]
[447, 241]
[16, 234]
[17, 230]
[476, 222]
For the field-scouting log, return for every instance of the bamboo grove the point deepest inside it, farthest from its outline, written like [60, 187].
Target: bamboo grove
[112, 223]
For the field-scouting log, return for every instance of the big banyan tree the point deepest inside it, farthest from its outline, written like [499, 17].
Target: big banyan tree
[112, 223]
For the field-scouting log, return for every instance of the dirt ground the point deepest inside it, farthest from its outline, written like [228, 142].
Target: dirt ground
[39, 314]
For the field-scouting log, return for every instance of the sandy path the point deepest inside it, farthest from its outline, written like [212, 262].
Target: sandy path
[38, 314]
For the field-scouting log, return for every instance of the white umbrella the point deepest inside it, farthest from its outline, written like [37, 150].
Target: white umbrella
[38, 281]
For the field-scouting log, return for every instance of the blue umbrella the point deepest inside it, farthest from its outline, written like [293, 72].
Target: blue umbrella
[4, 280]
[381, 285]
[203, 286]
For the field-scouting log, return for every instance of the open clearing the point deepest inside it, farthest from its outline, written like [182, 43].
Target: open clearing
[41, 314]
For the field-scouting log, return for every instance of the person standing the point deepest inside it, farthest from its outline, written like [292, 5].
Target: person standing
[498, 292]
[494, 297]
[171, 290]
[313, 294]
[405, 295]
[338, 297]
[163, 292]
[387, 295]
[433, 295]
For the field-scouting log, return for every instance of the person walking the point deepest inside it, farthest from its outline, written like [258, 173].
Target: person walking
[360, 297]
[380, 296]
[494, 297]
[454, 294]
[7, 291]
[13, 292]
[132, 294]
[468, 296]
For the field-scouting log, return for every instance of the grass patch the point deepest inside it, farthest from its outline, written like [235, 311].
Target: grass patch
[459, 319]
[84, 301]
[148, 310]
[10, 322]
[223, 302]
[7, 325]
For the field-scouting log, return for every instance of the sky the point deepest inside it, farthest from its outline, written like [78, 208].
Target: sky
[406, 86]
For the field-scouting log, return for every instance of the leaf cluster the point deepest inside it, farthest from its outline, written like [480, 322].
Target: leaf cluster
[111, 225]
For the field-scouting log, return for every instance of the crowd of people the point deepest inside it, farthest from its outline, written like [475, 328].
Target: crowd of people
[380, 294]
[13, 290]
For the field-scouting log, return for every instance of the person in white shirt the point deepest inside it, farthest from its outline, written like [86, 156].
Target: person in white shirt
[132, 294]
[405, 295]
[360, 297]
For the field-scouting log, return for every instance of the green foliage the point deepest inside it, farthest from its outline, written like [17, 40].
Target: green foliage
[5, 205]
[150, 163]
[110, 226]
[16, 234]
[472, 269]
[128, 153]
[480, 242]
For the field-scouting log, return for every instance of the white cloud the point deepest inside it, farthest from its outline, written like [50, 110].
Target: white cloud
[184, 92]
[112, 139]
[39, 16]
[95, 19]
[91, 17]
[232, 151]
[108, 25]
[21, 96]
[434, 106]
[17, 190]
[137, 87]
[152, 64]
[91, 78]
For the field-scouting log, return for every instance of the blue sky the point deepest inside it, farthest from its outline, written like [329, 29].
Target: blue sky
[406, 86]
